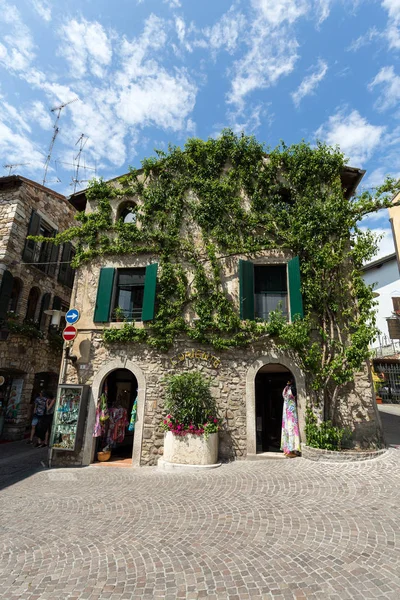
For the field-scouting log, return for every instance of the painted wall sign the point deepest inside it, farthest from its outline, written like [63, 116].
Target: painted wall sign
[200, 355]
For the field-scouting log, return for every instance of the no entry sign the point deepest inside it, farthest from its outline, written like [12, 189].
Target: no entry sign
[69, 333]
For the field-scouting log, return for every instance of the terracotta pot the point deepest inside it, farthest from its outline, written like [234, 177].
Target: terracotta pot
[104, 456]
[379, 400]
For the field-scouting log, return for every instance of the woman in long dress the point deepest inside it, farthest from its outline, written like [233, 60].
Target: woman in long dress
[290, 441]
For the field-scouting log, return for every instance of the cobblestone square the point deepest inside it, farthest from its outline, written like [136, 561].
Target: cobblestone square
[281, 529]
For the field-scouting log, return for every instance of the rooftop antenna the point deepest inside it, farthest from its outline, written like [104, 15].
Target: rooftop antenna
[11, 167]
[57, 110]
[82, 142]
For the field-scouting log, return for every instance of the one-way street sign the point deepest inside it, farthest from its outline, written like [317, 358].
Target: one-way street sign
[72, 316]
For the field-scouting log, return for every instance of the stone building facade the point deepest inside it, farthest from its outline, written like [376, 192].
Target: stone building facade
[34, 277]
[246, 382]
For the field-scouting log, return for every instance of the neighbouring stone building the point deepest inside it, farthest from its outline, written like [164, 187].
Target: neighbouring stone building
[246, 382]
[34, 278]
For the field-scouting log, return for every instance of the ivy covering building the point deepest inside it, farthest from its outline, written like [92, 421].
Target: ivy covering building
[237, 261]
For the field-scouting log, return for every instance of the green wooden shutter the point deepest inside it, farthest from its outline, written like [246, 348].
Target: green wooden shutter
[246, 289]
[104, 295]
[149, 296]
[33, 229]
[295, 298]
[6, 287]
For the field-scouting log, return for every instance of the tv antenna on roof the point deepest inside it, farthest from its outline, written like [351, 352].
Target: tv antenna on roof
[82, 142]
[11, 167]
[57, 110]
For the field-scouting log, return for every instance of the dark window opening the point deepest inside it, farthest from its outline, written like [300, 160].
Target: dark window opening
[32, 303]
[43, 255]
[128, 214]
[128, 301]
[270, 291]
[43, 318]
[15, 295]
[66, 273]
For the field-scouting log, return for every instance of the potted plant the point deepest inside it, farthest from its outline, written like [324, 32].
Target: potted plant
[119, 314]
[191, 424]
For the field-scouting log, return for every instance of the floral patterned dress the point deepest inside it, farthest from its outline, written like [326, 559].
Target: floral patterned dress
[290, 441]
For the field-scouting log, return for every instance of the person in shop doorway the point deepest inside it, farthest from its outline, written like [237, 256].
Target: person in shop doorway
[38, 412]
[44, 425]
[290, 441]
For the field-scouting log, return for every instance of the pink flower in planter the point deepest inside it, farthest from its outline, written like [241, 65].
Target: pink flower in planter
[215, 420]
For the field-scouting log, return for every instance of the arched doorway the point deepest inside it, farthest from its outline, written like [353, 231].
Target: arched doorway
[120, 389]
[272, 360]
[269, 384]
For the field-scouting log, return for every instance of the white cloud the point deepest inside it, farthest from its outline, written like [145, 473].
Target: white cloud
[323, 10]
[390, 83]
[43, 8]
[364, 40]
[272, 45]
[172, 3]
[40, 114]
[17, 47]
[392, 32]
[276, 12]
[15, 144]
[86, 46]
[356, 137]
[226, 32]
[310, 82]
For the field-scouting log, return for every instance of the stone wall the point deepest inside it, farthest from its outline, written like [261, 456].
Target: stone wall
[228, 384]
[22, 357]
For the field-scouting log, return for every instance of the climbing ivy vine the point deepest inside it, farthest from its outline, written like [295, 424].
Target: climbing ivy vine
[202, 206]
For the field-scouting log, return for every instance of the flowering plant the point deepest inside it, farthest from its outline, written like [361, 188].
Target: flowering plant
[190, 406]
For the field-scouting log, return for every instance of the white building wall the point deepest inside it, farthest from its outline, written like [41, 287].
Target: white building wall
[387, 279]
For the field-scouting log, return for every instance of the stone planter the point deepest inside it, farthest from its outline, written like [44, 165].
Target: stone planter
[190, 449]
[319, 455]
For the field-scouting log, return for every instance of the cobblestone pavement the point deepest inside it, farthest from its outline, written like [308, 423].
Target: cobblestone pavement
[276, 529]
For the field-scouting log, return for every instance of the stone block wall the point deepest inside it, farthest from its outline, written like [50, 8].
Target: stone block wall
[229, 384]
[22, 357]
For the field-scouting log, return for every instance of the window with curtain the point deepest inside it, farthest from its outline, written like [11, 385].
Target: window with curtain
[270, 290]
[129, 293]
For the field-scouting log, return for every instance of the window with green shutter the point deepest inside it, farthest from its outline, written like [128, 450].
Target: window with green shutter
[295, 297]
[246, 289]
[149, 297]
[267, 288]
[104, 295]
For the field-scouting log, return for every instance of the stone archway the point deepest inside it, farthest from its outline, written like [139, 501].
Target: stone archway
[98, 380]
[278, 359]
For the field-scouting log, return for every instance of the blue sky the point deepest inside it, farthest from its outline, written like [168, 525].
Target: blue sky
[150, 72]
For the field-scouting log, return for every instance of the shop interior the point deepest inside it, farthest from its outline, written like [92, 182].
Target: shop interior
[117, 432]
[270, 382]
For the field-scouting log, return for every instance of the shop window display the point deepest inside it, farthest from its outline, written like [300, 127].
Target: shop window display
[68, 419]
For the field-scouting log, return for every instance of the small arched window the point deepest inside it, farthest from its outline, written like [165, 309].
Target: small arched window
[32, 303]
[15, 295]
[127, 213]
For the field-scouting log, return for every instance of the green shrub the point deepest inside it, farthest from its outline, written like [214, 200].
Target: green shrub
[190, 405]
[325, 436]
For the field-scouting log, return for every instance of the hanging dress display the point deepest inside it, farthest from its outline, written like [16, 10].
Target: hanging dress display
[290, 441]
[118, 420]
[133, 416]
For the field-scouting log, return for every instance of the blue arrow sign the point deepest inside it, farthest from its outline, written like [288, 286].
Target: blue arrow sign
[72, 316]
